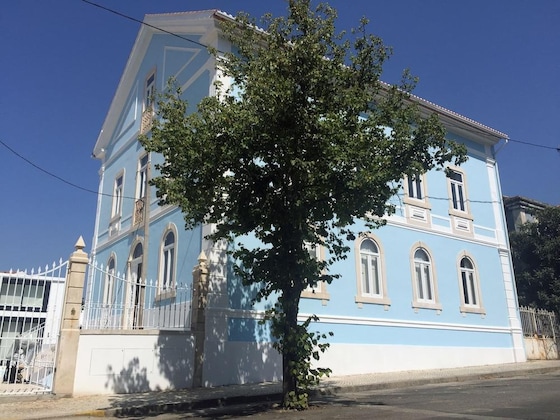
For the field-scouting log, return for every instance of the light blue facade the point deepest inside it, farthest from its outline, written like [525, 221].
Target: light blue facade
[401, 326]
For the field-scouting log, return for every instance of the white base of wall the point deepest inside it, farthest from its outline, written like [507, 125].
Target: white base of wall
[237, 362]
[351, 359]
[141, 361]
[240, 363]
[120, 362]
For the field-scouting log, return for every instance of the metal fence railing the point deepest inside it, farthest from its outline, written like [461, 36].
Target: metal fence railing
[31, 305]
[538, 322]
[123, 302]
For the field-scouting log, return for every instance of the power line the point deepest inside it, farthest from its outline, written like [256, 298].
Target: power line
[45, 171]
[65, 181]
[206, 46]
[535, 145]
[143, 23]
[59, 178]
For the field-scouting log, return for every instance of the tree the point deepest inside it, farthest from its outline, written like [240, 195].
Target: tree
[304, 141]
[535, 251]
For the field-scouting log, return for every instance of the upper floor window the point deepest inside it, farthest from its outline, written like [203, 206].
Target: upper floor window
[167, 261]
[319, 291]
[418, 208]
[372, 287]
[458, 190]
[142, 178]
[459, 209]
[117, 196]
[469, 286]
[415, 188]
[424, 285]
[148, 103]
[150, 90]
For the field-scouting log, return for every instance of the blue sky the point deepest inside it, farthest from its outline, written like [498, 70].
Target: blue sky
[496, 62]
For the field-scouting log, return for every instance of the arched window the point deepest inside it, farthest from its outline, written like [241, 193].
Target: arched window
[167, 261]
[371, 279]
[109, 287]
[369, 267]
[423, 273]
[424, 284]
[469, 286]
[467, 281]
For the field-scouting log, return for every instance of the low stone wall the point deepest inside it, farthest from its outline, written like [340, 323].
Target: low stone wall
[121, 362]
[539, 348]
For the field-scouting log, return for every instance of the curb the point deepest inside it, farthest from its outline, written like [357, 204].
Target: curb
[150, 409]
[344, 389]
[160, 408]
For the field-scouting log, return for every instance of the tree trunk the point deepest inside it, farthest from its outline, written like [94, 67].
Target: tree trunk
[290, 307]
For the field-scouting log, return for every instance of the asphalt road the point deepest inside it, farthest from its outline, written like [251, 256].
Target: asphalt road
[524, 397]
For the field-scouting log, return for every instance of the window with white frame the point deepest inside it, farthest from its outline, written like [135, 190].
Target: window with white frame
[457, 190]
[371, 284]
[167, 261]
[415, 187]
[142, 178]
[417, 205]
[469, 286]
[148, 104]
[109, 286]
[319, 291]
[425, 293]
[150, 90]
[369, 268]
[424, 277]
[117, 196]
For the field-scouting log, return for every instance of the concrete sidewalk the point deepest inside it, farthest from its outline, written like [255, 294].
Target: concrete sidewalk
[50, 406]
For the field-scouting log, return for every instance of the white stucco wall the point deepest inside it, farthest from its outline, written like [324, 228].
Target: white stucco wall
[117, 362]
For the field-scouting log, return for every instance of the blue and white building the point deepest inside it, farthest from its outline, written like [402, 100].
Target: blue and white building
[434, 288]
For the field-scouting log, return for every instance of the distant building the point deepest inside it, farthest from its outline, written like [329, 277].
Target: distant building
[520, 210]
[30, 312]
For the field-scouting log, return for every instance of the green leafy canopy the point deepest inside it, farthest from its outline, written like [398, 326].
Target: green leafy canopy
[300, 139]
[535, 249]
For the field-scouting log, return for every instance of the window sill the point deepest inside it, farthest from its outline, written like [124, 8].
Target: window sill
[417, 202]
[463, 214]
[472, 310]
[436, 306]
[324, 297]
[373, 300]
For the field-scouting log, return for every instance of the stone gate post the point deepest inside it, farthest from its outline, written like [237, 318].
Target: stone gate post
[65, 367]
[198, 319]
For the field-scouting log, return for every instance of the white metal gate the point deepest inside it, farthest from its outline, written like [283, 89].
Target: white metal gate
[30, 313]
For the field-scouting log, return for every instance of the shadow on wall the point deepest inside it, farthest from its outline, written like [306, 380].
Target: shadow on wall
[131, 379]
[175, 358]
[239, 349]
[162, 360]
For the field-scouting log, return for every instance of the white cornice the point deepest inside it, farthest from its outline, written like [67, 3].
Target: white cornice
[199, 23]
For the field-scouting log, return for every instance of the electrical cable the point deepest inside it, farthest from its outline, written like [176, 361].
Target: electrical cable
[59, 178]
[135, 198]
[143, 23]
